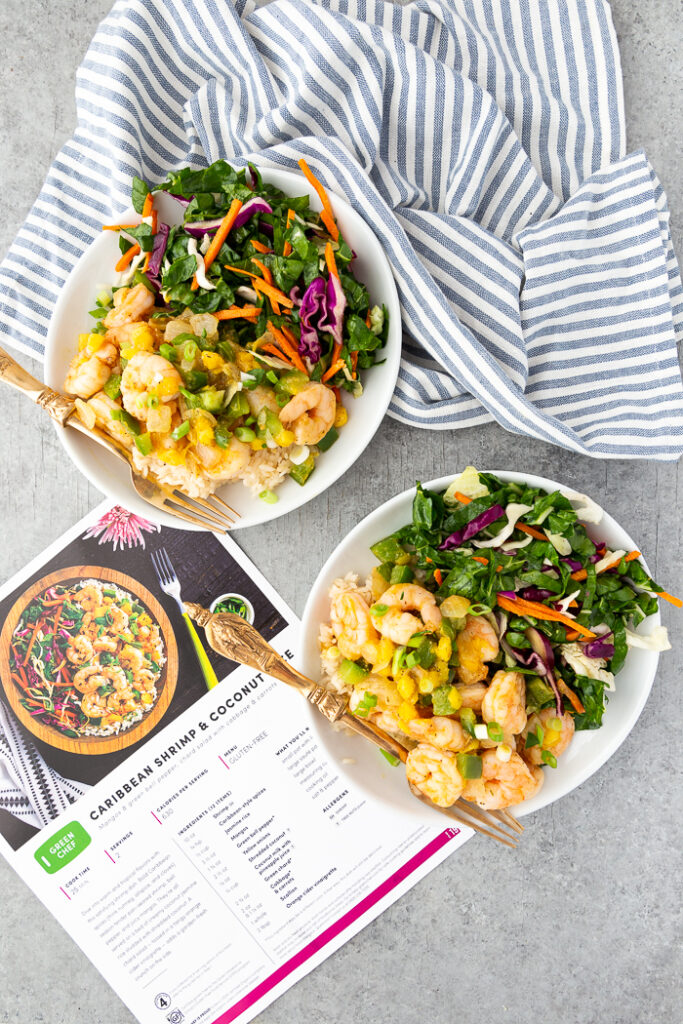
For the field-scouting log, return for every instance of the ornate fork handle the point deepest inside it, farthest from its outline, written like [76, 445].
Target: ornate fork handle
[58, 406]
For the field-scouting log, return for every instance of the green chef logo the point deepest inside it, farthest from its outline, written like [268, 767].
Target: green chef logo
[62, 847]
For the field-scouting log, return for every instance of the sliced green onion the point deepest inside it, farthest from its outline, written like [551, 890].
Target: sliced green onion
[190, 350]
[548, 758]
[555, 724]
[181, 430]
[468, 720]
[270, 497]
[143, 443]
[168, 352]
[103, 298]
[351, 672]
[153, 402]
[379, 610]
[397, 661]
[272, 377]
[247, 434]
[495, 732]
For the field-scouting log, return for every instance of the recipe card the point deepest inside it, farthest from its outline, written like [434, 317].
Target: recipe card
[176, 811]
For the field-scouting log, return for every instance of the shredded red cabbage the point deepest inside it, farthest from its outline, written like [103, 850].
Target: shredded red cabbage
[479, 523]
[536, 594]
[332, 319]
[599, 648]
[252, 206]
[198, 228]
[572, 563]
[158, 250]
[312, 306]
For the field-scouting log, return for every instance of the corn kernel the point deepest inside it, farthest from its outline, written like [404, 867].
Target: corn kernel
[111, 719]
[550, 737]
[407, 712]
[144, 619]
[126, 607]
[146, 698]
[472, 745]
[245, 361]
[444, 648]
[257, 445]
[440, 672]
[405, 685]
[128, 351]
[212, 360]
[341, 416]
[385, 652]
[454, 698]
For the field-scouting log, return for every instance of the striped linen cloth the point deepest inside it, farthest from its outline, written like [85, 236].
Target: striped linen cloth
[484, 142]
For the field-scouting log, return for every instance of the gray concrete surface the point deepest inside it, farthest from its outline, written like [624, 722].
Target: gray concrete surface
[581, 924]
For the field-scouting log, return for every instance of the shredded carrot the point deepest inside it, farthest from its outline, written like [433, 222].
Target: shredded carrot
[570, 695]
[541, 611]
[272, 293]
[219, 238]
[478, 558]
[337, 394]
[572, 634]
[438, 576]
[334, 368]
[127, 257]
[287, 347]
[462, 498]
[32, 641]
[573, 604]
[287, 247]
[119, 227]
[238, 312]
[327, 215]
[354, 364]
[675, 601]
[145, 262]
[259, 246]
[581, 574]
[290, 336]
[155, 222]
[147, 205]
[273, 351]
[238, 270]
[367, 318]
[532, 531]
[330, 261]
[268, 278]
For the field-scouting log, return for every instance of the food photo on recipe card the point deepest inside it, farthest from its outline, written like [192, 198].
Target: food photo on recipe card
[207, 855]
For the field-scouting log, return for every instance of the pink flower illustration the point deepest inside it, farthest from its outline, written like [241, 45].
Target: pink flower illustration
[121, 527]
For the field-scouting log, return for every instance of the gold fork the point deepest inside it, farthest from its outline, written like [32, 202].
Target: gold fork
[211, 514]
[234, 638]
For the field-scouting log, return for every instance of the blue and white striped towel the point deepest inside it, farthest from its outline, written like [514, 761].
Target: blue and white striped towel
[483, 141]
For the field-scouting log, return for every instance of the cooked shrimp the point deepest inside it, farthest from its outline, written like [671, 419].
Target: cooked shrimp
[149, 386]
[79, 650]
[505, 701]
[558, 732]
[476, 644]
[129, 304]
[131, 658]
[103, 407]
[94, 705]
[118, 618]
[388, 700]
[435, 773]
[89, 598]
[442, 732]
[89, 373]
[105, 643]
[145, 679]
[503, 783]
[115, 675]
[227, 463]
[89, 679]
[471, 696]
[352, 624]
[397, 623]
[310, 414]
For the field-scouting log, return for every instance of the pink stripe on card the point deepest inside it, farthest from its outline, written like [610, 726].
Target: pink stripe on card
[333, 930]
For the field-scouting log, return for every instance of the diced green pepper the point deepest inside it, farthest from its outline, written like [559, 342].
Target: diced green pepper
[222, 434]
[387, 550]
[391, 758]
[401, 574]
[469, 765]
[143, 443]
[124, 417]
[328, 440]
[238, 407]
[140, 278]
[245, 434]
[168, 352]
[538, 694]
[212, 400]
[181, 430]
[468, 720]
[113, 386]
[301, 473]
[385, 570]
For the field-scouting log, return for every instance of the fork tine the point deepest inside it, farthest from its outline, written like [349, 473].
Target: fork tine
[207, 505]
[171, 574]
[509, 820]
[199, 516]
[156, 567]
[450, 812]
[476, 812]
[215, 497]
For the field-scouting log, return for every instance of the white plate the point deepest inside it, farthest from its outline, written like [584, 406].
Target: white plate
[588, 751]
[96, 269]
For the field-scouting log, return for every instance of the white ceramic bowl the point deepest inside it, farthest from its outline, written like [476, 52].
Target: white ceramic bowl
[588, 751]
[109, 475]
